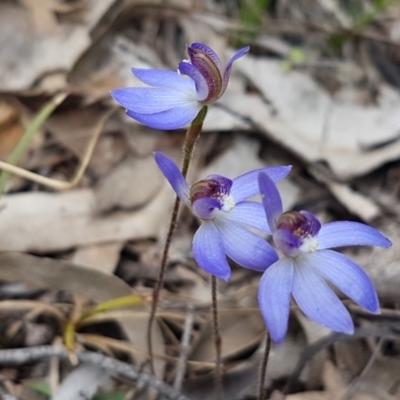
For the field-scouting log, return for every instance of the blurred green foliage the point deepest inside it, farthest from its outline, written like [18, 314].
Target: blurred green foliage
[250, 16]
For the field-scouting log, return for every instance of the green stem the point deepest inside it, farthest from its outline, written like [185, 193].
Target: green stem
[192, 135]
[29, 134]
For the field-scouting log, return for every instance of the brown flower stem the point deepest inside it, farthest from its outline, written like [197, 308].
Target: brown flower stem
[218, 341]
[192, 134]
[263, 367]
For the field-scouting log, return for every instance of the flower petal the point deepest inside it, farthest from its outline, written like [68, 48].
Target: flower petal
[205, 207]
[208, 251]
[347, 276]
[274, 297]
[244, 247]
[317, 300]
[228, 68]
[207, 50]
[174, 176]
[249, 213]
[192, 72]
[174, 118]
[287, 243]
[165, 79]
[271, 199]
[347, 233]
[152, 100]
[246, 185]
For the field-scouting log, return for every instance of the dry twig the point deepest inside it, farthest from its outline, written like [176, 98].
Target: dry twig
[114, 367]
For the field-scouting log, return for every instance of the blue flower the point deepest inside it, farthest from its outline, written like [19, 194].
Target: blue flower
[225, 215]
[175, 98]
[308, 263]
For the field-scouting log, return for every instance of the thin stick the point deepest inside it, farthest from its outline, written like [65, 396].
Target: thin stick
[184, 353]
[192, 134]
[55, 183]
[218, 341]
[263, 368]
[115, 367]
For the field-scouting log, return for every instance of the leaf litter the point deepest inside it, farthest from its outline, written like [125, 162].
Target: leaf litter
[331, 112]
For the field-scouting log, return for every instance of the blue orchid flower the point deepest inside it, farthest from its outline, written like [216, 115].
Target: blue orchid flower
[225, 215]
[175, 98]
[308, 263]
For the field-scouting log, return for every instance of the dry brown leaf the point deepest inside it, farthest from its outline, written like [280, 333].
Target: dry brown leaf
[313, 332]
[44, 222]
[11, 129]
[130, 185]
[303, 118]
[240, 329]
[103, 257]
[74, 129]
[55, 274]
[27, 55]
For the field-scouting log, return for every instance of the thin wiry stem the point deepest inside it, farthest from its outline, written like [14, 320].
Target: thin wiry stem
[263, 368]
[192, 134]
[218, 341]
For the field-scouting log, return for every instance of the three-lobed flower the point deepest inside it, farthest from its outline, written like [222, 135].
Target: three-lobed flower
[308, 263]
[175, 98]
[225, 214]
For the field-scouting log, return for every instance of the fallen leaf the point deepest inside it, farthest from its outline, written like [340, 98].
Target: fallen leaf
[70, 220]
[103, 257]
[59, 275]
[130, 185]
[303, 118]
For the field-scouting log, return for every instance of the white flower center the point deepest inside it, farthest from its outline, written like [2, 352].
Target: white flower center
[228, 203]
[310, 244]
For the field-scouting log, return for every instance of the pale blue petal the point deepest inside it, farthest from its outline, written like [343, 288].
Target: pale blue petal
[192, 72]
[274, 297]
[244, 247]
[228, 68]
[271, 199]
[347, 276]
[165, 79]
[347, 233]
[152, 100]
[246, 185]
[208, 251]
[174, 176]
[174, 118]
[317, 300]
[249, 213]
